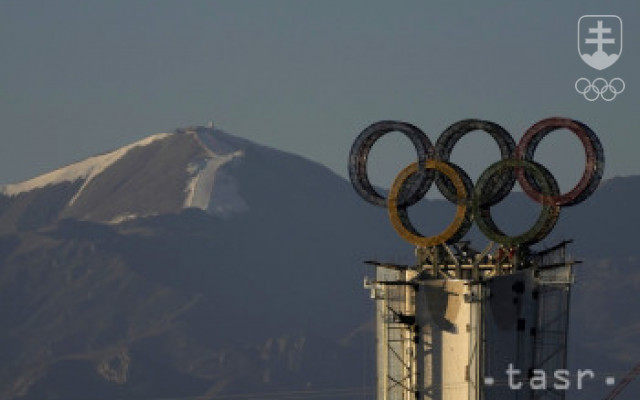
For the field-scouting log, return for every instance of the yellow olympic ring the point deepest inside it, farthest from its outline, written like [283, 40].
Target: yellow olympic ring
[397, 212]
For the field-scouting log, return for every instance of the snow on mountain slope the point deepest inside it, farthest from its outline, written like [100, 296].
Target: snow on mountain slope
[207, 177]
[86, 170]
[163, 173]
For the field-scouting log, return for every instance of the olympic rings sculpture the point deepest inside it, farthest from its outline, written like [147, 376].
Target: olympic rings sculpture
[599, 88]
[474, 201]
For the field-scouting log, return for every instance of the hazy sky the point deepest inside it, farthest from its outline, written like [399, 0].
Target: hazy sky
[84, 77]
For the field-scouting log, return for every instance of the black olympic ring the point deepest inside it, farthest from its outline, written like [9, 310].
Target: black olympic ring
[447, 141]
[495, 183]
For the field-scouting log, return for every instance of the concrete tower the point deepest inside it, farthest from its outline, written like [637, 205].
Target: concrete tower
[471, 326]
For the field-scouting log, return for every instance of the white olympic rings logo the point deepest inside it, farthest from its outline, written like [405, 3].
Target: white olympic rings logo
[600, 88]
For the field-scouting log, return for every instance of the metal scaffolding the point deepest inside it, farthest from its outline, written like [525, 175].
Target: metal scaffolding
[448, 327]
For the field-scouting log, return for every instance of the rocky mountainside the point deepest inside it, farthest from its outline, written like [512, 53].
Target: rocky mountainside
[200, 264]
[160, 174]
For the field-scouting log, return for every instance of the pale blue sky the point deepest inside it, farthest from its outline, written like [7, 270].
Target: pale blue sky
[83, 77]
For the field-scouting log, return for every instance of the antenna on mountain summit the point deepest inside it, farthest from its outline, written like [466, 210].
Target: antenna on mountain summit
[210, 124]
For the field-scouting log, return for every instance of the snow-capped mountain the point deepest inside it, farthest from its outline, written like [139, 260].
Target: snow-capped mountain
[160, 174]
